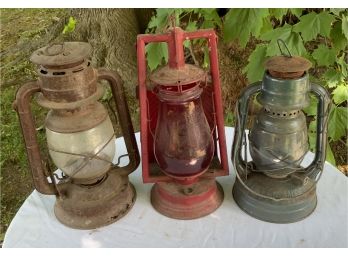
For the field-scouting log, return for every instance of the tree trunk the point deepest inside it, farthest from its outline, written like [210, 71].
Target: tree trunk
[144, 15]
[112, 34]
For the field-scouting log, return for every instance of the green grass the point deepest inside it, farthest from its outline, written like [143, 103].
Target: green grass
[18, 27]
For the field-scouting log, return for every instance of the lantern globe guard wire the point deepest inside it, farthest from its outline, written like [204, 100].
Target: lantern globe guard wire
[90, 157]
[241, 130]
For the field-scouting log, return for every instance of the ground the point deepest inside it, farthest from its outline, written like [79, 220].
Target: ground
[18, 26]
[27, 26]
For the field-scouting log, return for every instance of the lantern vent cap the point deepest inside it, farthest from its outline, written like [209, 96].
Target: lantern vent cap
[167, 76]
[288, 64]
[61, 54]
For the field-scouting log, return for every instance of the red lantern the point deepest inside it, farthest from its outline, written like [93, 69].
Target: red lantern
[182, 128]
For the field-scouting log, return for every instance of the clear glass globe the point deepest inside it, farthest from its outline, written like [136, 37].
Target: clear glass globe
[83, 155]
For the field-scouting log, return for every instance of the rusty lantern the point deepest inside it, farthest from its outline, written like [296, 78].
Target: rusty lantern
[182, 128]
[91, 191]
[273, 186]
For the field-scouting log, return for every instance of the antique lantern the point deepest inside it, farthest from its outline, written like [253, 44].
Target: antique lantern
[91, 191]
[273, 186]
[182, 129]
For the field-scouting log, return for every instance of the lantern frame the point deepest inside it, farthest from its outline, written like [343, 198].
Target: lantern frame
[175, 38]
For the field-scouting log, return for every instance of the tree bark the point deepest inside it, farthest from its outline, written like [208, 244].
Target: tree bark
[112, 34]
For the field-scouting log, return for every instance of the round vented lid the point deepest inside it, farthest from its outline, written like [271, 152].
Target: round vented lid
[59, 54]
[287, 64]
[186, 75]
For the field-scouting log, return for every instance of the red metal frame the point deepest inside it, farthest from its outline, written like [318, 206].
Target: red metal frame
[175, 39]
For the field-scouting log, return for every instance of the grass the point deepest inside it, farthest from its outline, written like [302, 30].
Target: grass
[18, 27]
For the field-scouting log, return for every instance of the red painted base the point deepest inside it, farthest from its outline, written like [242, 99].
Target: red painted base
[186, 202]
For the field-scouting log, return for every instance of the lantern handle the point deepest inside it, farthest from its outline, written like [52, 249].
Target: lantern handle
[117, 90]
[241, 113]
[315, 169]
[286, 47]
[38, 171]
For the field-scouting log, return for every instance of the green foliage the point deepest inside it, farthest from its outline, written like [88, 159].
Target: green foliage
[156, 54]
[333, 77]
[318, 35]
[229, 119]
[253, 70]
[324, 56]
[210, 18]
[198, 18]
[291, 38]
[340, 94]
[312, 137]
[338, 122]
[345, 26]
[339, 41]
[242, 23]
[70, 26]
[312, 24]
[278, 13]
[296, 11]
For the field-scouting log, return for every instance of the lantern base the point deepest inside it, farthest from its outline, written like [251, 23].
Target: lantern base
[299, 198]
[185, 202]
[93, 206]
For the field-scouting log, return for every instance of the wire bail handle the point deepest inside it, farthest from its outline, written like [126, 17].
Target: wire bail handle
[286, 47]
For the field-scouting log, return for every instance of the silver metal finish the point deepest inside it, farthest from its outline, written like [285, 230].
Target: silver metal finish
[284, 94]
[273, 186]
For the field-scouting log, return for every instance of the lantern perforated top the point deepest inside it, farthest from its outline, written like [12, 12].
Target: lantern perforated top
[60, 54]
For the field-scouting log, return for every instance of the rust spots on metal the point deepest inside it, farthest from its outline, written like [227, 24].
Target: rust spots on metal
[284, 67]
[68, 85]
[185, 202]
[61, 54]
[76, 120]
[187, 74]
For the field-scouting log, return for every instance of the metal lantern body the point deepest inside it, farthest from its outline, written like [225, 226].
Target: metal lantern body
[182, 129]
[274, 186]
[92, 191]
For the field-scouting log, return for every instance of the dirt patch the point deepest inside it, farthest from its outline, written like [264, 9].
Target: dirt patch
[340, 152]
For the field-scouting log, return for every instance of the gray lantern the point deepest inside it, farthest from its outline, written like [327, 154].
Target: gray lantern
[273, 186]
